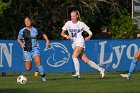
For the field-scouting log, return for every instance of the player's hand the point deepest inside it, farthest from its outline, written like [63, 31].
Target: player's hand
[48, 44]
[68, 37]
[87, 38]
[22, 45]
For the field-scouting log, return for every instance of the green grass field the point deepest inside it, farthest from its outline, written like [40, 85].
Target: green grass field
[64, 83]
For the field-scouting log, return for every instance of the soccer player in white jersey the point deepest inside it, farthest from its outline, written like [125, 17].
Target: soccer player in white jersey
[75, 27]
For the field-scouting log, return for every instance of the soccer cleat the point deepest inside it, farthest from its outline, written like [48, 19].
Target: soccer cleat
[36, 73]
[43, 79]
[125, 76]
[102, 72]
[75, 75]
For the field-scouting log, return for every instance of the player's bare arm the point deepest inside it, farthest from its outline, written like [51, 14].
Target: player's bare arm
[89, 36]
[47, 40]
[21, 44]
[64, 35]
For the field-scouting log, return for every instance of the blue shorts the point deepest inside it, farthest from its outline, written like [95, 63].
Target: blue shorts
[28, 56]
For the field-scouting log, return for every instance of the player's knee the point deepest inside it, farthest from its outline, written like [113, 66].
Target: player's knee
[73, 57]
[38, 63]
[136, 58]
[28, 68]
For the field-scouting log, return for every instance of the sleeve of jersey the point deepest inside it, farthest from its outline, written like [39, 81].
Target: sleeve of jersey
[87, 29]
[20, 35]
[65, 26]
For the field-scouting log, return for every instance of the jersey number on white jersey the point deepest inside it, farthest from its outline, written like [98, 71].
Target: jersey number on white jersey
[74, 35]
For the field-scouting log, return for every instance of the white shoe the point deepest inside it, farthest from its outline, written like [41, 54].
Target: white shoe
[125, 76]
[43, 79]
[102, 72]
[75, 75]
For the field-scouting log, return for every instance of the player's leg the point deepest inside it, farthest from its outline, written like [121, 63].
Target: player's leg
[37, 59]
[40, 67]
[75, 55]
[27, 60]
[132, 65]
[28, 65]
[92, 64]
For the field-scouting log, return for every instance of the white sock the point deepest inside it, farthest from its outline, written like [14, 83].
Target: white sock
[77, 66]
[94, 65]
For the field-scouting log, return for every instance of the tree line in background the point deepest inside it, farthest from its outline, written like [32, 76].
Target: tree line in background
[50, 15]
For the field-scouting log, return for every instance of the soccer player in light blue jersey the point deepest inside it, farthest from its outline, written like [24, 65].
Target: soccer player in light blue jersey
[133, 64]
[75, 27]
[30, 46]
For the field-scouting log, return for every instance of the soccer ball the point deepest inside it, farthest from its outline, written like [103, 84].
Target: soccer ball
[21, 79]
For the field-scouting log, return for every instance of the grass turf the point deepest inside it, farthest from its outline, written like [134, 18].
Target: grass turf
[64, 83]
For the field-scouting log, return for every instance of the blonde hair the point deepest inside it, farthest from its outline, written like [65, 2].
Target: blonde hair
[77, 12]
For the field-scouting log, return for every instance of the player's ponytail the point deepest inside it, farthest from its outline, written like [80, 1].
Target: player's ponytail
[79, 17]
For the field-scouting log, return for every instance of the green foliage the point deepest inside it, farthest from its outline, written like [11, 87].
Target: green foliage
[4, 5]
[112, 13]
[135, 30]
[121, 27]
[50, 16]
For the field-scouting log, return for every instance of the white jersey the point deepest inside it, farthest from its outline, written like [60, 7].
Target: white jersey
[75, 30]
